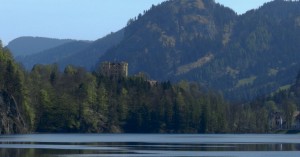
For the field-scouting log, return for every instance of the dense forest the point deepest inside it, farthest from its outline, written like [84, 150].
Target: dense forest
[79, 101]
[241, 73]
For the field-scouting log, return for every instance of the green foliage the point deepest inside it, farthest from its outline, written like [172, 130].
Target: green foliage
[12, 81]
[283, 103]
[78, 101]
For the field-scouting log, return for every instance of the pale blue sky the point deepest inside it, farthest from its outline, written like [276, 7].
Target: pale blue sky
[79, 19]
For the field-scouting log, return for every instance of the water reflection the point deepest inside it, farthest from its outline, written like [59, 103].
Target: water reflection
[86, 145]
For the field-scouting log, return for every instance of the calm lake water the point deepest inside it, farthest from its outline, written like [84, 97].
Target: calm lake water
[149, 145]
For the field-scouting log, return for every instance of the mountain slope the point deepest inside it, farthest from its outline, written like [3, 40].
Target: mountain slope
[170, 34]
[243, 56]
[263, 54]
[89, 56]
[24, 46]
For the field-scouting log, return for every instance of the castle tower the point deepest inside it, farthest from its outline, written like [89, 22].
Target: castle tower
[114, 70]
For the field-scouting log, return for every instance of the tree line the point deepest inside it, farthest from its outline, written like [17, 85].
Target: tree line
[75, 100]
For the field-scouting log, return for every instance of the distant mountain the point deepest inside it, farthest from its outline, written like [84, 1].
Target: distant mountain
[89, 56]
[79, 53]
[200, 40]
[53, 55]
[24, 46]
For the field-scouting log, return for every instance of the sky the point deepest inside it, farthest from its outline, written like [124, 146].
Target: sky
[80, 19]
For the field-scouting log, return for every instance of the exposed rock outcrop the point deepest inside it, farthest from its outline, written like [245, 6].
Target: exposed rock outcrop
[11, 120]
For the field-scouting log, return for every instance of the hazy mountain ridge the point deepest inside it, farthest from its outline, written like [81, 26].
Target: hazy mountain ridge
[78, 53]
[24, 46]
[53, 55]
[89, 56]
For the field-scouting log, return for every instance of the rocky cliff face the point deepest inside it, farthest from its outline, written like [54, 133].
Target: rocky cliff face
[11, 120]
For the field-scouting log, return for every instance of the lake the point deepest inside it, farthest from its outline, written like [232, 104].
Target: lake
[149, 145]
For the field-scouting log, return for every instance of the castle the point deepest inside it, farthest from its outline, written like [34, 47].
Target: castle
[114, 70]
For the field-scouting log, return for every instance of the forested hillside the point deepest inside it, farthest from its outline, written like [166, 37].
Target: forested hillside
[241, 55]
[14, 106]
[220, 55]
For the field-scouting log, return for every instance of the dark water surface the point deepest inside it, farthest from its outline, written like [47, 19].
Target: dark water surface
[149, 145]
